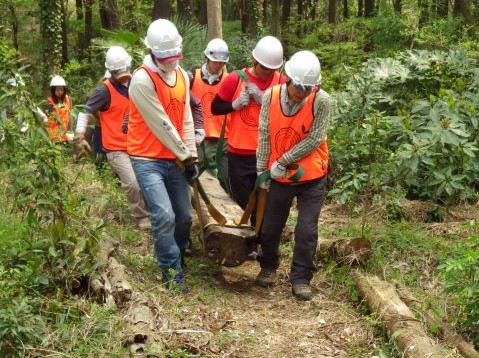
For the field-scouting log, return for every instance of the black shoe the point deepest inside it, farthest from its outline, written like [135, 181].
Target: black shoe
[266, 278]
[302, 292]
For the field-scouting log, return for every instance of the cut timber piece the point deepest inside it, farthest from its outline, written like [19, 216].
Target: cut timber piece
[120, 287]
[349, 251]
[225, 245]
[446, 332]
[401, 324]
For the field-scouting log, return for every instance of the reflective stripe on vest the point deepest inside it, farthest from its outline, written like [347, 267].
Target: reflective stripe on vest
[243, 125]
[141, 141]
[206, 93]
[287, 131]
[112, 137]
[56, 131]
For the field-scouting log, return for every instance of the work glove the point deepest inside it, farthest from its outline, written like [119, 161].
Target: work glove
[191, 171]
[277, 170]
[199, 135]
[255, 93]
[265, 183]
[242, 101]
[80, 145]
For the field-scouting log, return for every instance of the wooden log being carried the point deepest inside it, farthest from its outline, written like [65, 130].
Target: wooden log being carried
[402, 325]
[225, 244]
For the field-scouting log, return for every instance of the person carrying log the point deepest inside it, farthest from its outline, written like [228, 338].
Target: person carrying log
[205, 83]
[161, 145]
[110, 102]
[241, 94]
[292, 137]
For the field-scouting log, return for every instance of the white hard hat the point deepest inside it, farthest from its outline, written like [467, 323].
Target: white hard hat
[303, 69]
[117, 59]
[269, 52]
[57, 81]
[164, 41]
[217, 50]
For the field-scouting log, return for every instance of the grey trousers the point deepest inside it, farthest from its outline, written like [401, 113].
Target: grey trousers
[309, 197]
[121, 165]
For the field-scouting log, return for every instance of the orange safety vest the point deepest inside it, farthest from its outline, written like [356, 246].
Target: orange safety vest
[141, 141]
[287, 131]
[59, 122]
[206, 93]
[112, 137]
[243, 125]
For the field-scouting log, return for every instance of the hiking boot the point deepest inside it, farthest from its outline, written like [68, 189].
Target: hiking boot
[266, 278]
[302, 292]
[144, 223]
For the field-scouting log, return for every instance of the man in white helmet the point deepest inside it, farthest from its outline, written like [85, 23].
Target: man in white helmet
[293, 152]
[240, 95]
[110, 101]
[205, 83]
[161, 144]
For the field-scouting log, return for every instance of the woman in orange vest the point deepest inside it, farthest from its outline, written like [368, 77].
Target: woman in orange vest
[292, 138]
[58, 123]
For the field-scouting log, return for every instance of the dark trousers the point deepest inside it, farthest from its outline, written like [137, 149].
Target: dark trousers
[310, 197]
[242, 177]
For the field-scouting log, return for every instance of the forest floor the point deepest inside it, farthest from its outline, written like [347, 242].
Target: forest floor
[226, 315]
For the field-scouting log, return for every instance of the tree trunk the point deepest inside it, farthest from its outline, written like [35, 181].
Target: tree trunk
[79, 9]
[88, 23]
[332, 12]
[161, 9]
[442, 8]
[368, 8]
[203, 13]
[463, 8]
[275, 19]
[51, 31]
[214, 19]
[64, 9]
[285, 12]
[360, 8]
[345, 10]
[402, 325]
[397, 4]
[254, 10]
[349, 251]
[185, 8]
[14, 23]
[109, 15]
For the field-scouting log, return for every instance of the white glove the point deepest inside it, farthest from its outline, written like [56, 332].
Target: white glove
[277, 170]
[265, 184]
[254, 92]
[199, 135]
[242, 101]
[42, 115]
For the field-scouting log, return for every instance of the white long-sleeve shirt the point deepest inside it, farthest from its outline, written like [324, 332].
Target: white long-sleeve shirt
[143, 94]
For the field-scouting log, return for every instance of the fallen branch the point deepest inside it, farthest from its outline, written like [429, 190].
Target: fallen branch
[401, 324]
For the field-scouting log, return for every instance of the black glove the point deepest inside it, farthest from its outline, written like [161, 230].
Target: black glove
[191, 172]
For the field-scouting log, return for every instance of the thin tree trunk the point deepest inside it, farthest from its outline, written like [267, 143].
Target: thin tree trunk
[64, 9]
[79, 9]
[345, 10]
[185, 8]
[214, 19]
[360, 8]
[332, 12]
[161, 9]
[397, 6]
[110, 16]
[203, 14]
[244, 16]
[275, 19]
[88, 23]
[14, 23]
[285, 12]
[368, 8]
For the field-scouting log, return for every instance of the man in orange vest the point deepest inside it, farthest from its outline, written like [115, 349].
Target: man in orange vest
[241, 94]
[292, 137]
[110, 100]
[205, 83]
[161, 145]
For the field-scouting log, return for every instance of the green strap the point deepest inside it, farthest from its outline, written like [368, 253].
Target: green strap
[242, 75]
[264, 176]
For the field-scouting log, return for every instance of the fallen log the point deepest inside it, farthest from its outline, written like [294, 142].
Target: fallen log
[402, 325]
[348, 251]
[224, 243]
[445, 331]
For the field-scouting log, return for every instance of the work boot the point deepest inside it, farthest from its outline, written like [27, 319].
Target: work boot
[302, 292]
[266, 278]
[144, 223]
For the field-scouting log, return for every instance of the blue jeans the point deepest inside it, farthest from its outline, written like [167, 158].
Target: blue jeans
[168, 197]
